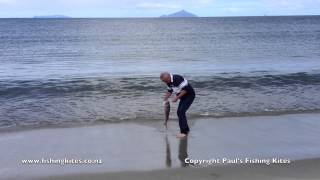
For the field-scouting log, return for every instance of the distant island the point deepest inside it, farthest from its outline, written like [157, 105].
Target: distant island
[182, 13]
[52, 16]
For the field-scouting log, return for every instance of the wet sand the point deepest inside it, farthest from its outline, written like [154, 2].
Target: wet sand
[302, 170]
[132, 150]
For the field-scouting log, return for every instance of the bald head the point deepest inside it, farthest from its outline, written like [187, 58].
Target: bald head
[165, 77]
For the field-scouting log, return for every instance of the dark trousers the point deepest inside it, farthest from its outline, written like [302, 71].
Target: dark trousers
[185, 103]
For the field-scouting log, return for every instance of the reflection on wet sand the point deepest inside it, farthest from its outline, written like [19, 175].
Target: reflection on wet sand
[182, 154]
[183, 151]
[168, 153]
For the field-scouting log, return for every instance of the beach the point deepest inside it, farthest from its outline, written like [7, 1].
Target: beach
[134, 150]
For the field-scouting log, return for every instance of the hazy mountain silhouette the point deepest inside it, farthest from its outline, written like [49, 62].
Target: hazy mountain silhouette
[182, 13]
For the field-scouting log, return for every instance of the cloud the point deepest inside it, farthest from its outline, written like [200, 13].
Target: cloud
[92, 8]
[173, 4]
[292, 4]
[7, 2]
[148, 5]
[291, 7]
[205, 2]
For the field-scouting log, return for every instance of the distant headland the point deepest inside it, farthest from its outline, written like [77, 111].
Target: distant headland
[182, 13]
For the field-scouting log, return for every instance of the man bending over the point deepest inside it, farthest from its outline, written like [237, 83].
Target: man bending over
[185, 93]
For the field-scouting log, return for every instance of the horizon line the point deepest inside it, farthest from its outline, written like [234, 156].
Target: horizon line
[137, 17]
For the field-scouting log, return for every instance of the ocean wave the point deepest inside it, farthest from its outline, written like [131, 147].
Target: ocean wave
[69, 102]
[137, 86]
[220, 83]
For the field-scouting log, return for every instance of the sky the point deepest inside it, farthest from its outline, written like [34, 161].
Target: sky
[155, 8]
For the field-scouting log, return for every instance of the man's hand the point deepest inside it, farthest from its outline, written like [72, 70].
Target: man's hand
[166, 96]
[182, 93]
[175, 99]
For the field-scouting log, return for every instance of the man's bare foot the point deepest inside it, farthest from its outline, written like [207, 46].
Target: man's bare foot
[181, 135]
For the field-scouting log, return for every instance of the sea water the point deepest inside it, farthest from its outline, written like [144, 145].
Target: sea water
[64, 72]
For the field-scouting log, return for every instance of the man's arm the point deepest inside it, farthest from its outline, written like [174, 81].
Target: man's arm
[181, 94]
[166, 96]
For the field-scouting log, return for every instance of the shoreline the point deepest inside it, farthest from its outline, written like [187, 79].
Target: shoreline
[146, 122]
[126, 147]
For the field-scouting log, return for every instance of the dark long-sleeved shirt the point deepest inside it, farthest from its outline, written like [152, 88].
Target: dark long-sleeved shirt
[179, 83]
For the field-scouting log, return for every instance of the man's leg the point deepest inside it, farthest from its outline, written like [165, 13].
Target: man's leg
[184, 105]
